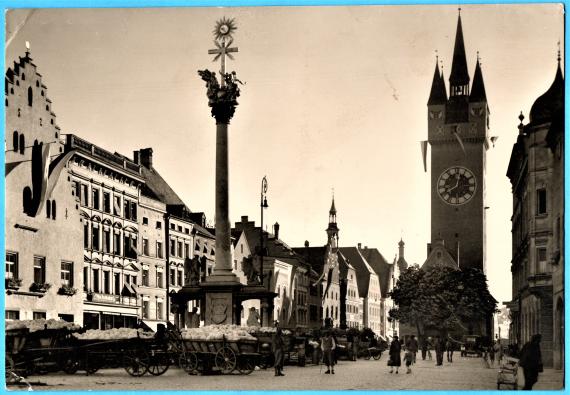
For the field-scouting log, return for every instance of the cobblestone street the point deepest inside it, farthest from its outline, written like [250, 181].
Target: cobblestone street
[462, 374]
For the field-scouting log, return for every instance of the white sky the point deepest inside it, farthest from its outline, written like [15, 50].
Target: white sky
[335, 97]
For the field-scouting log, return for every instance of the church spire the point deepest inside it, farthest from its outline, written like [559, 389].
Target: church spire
[478, 89]
[332, 230]
[438, 95]
[459, 77]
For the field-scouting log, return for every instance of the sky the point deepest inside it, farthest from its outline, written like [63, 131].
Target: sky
[334, 98]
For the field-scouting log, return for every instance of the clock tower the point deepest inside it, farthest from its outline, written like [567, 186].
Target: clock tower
[458, 136]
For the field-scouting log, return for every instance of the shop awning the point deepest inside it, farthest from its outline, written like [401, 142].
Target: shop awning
[153, 325]
[128, 290]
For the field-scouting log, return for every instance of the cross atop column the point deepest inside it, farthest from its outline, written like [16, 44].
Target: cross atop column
[223, 41]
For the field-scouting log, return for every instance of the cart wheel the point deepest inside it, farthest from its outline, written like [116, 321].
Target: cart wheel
[136, 362]
[189, 362]
[225, 360]
[11, 376]
[159, 363]
[70, 365]
[367, 355]
[246, 366]
[377, 355]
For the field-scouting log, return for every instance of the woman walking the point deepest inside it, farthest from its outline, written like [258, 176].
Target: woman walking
[395, 359]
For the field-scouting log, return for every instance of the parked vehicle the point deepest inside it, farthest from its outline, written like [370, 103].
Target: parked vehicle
[471, 345]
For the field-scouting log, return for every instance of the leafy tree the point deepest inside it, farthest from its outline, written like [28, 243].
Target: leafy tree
[444, 298]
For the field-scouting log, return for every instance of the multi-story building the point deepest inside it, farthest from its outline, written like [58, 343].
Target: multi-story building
[44, 257]
[107, 186]
[535, 172]
[350, 301]
[152, 258]
[368, 288]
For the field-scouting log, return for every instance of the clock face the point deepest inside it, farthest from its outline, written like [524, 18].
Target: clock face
[456, 185]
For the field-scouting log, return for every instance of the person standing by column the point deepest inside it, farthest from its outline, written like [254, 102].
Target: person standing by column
[531, 361]
[395, 358]
[278, 348]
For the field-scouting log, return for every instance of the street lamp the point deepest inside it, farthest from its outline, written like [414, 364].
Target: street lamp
[263, 204]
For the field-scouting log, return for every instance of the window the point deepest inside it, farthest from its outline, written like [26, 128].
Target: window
[107, 202]
[117, 205]
[48, 209]
[159, 280]
[159, 249]
[95, 237]
[180, 228]
[541, 260]
[76, 187]
[22, 144]
[145, 221]
[66, 317]
[95, 198]
[106, 282]
[117, 243]
[67, 273]
[12, 315]
[11, 265]
[159, 308]
[145, 308]
[172, 226]
[117, 283]
[39, 270]
[15, 141]
[145, 277]
[130, 246]
[541, 201]
[180, 281]
[172, 248]
[83, 195]
[187, 231]
[145, 247]
[39, 315]
[180, 251]
[85, 279]
[95, 280]
[130, 210]
[158, 225]
[172, 276]
[187, 249]
[133, 279]
[106, 240]
[53, 209]
[30, 96]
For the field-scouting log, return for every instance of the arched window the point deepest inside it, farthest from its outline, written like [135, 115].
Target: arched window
[38, 84]
[48, 209]
[53, 208]
[30, 96]
[22, 143]
[12, 91]
[23, 77]
[15, 141]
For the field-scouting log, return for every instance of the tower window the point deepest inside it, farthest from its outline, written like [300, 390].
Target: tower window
[6, 102]
[12, 91]
[23, 77]
[47, 107]
[42, 93]
[52, 124]
[53, 209]
[541, 201]
[15, 141]
[22, 144]
[37, 84]
[48, 209]
[30, 96]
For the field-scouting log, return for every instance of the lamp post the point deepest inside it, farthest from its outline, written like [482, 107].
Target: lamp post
[262, 204]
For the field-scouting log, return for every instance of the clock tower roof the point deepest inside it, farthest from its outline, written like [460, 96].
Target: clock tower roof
[437, 95]
[478, 89]
[459, 74]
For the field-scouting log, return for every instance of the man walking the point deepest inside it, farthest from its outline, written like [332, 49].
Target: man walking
[412, 346]
[449, 347]
[439, 347]
[328, 346]
[531, 361]
[278, 348]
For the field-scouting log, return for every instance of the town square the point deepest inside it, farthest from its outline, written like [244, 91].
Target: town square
[285, 198]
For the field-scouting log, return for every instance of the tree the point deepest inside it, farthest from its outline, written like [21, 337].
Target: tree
[443, 298]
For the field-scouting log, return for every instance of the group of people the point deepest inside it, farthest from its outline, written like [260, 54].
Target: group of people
[411, 349]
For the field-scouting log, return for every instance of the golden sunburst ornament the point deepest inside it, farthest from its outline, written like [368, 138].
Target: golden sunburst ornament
[224, 29]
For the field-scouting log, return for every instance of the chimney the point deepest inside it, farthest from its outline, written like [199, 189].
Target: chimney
[145, 157]
[244, 219]
[136, 157]
[276, 230]
[359, 246]
[306, 243]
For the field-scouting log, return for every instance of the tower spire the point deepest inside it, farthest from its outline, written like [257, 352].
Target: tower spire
[478, 89]
[437, 95]
[459, 77]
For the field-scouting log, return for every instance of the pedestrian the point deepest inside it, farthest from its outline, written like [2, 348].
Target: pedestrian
[412, 346]
[328, 345]
[395, 359]
[429, 347]
[278, 348]
[492, 353]
[449, 348]
[499, 351]
[424, 348]
[409, 359]
[531, 361]
[439, 347]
